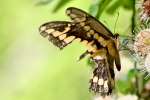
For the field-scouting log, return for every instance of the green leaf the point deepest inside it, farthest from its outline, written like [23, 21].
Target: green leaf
[124, 86]
[128, 4]
[114, 6]
[128, 85]
[60, 4]
[93, 9]
[90, 63]
[132, 74]
[98, 6]
[102, 6]
[44, 2]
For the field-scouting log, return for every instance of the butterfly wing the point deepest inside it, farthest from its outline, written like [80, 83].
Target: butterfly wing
[53, 30]
[113, 51]
[80, 16]
[103, 75]
[62, 33]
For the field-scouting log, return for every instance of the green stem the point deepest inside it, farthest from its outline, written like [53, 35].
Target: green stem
[135, 63]
[99, 8]
[133, 17]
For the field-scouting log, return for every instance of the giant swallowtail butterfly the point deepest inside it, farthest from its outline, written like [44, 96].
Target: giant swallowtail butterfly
[101, 45]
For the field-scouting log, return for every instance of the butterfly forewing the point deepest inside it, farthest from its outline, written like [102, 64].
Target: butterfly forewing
[56, 32]
[79, 16]
[61, 33]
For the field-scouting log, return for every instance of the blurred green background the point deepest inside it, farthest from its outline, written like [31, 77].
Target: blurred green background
[31, 68]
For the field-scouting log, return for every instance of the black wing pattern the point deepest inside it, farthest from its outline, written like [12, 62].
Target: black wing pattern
[100, 42]
[61, 33]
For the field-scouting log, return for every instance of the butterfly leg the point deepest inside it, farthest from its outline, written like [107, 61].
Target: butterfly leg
[83, 55]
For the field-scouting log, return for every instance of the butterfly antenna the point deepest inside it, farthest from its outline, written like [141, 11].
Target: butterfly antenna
[116, 22]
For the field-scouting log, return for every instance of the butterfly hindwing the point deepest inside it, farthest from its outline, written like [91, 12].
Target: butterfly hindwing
[113, 52]
[103, 75]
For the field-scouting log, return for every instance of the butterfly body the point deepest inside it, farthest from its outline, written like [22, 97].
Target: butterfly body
[100, 42]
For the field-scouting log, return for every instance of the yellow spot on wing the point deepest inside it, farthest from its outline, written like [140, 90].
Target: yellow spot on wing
[63, 36]
[86, 28]
[43, 28]
[49, 31]
[88, 34]
[80, 19]
[78, 39]
[91, 32]
[69, 25]
[85, 42]
[73, 16]
[90, 43]
[95, 79]
[100, 81]
[69, 39]
[106, 86]
[57, 33]
[96, 36]
[90, 47]
[102, 41]
[66, 29]
[82, 23]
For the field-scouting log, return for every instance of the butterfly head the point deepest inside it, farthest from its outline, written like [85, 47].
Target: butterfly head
[116, 39]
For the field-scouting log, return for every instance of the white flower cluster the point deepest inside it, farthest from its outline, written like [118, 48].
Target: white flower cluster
[145, 14]
[142, 43]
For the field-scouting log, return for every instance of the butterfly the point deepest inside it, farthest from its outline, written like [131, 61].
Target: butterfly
[100, 42]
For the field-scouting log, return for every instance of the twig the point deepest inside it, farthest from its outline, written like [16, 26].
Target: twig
[137, 82]
[133, 17]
